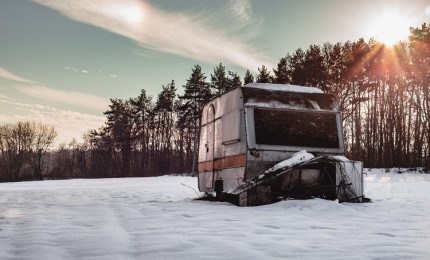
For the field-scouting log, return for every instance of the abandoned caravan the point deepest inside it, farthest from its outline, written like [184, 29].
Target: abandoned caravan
[261, 143]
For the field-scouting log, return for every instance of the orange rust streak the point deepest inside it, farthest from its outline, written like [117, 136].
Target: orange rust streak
[205, 166]
[230, 162]
[223, 163]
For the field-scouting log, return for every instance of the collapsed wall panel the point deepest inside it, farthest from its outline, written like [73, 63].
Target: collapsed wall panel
[320, 177]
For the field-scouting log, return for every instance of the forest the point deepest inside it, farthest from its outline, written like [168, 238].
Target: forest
[384, 93]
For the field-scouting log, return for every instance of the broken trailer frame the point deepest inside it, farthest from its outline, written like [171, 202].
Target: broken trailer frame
[248, 129]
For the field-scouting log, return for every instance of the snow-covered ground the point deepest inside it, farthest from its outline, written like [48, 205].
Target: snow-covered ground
[157, 218]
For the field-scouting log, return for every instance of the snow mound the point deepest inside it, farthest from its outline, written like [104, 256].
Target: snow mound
[296, 158]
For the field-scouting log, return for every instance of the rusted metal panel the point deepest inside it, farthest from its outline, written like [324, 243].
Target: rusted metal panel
[223, 163]
[230, 162]
[205, 166]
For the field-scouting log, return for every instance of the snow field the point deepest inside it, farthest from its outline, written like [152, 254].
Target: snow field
[157, 218]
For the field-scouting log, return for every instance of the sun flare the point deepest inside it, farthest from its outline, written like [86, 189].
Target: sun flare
[390, 28]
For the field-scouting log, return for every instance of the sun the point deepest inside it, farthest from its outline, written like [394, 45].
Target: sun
[131, 13]
[391, 28]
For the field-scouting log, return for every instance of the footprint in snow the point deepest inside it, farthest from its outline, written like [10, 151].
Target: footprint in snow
[271, 226]
[385, 234]
[320, 227]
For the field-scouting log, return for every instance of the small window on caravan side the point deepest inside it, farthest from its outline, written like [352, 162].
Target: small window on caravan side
[231, 127]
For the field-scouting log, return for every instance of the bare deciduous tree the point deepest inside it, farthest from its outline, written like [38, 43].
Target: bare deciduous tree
[22, 148]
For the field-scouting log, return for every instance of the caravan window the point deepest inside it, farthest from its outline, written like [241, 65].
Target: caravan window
[296, 128]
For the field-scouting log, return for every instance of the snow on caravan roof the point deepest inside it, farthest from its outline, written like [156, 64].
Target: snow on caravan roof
[288, 97]
[282, 87]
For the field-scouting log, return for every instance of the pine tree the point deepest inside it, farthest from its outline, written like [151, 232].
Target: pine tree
[315, 73]
[143, 114]
[197, 93]
[263, 75]
[219, 80]
[297, 67]
[420, 58]
[121, 128]
[249, 78]
[164, 108]
[233, 80]
[282, 73]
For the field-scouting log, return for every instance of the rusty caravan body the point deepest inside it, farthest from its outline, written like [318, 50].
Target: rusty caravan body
[249, 129]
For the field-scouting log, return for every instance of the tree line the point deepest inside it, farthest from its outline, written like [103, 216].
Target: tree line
[23, 148]
[383, 93]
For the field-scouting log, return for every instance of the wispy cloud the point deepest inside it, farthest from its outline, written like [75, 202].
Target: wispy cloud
[172, 32]
[69, 124]
[242, 9]
[66, 97]
[34, 89]
[10, 76]
[76, 69]
[3, 96]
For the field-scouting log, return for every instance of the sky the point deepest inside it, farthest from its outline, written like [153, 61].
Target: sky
[61, 61]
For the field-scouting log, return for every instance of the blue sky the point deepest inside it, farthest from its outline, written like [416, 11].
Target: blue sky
[61, 61]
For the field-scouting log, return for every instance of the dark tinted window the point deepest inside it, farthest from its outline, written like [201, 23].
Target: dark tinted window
[291, 128]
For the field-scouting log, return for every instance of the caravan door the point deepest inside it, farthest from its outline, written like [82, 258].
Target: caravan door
[210, 146]
[207, 151]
